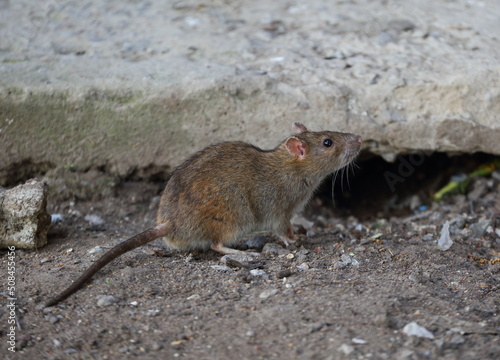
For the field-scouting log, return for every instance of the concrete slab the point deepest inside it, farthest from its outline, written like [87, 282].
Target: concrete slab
[125, 86]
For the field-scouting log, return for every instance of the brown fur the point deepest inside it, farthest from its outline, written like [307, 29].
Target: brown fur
[231, 189]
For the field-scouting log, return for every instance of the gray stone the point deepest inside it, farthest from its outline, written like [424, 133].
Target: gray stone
[257, 272]
[127, 100]
[52, 318]
[106, 300]
[479, 228]
[272, 248]
[222, 268]
[413, 329]
[445, 241]
[95, 221]
[24, 221]
[346, 349]
[242, 258]
[56, 218]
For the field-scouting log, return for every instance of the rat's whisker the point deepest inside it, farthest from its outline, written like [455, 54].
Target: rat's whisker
[334, 180]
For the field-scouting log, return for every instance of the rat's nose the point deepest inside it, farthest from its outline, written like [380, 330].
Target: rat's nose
[355, 140]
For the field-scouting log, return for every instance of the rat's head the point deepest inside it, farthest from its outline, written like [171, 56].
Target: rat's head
[323, 152]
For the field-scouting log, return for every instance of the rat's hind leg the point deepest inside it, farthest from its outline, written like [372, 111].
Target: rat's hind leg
[219, 247]
[287, 235]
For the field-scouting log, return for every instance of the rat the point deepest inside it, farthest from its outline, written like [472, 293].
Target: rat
[232, 189]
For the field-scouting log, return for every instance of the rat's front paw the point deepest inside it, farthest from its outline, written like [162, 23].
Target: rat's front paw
[287, 241]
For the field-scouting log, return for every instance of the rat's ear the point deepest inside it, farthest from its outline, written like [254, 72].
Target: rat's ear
[296, 147]
[299, 128]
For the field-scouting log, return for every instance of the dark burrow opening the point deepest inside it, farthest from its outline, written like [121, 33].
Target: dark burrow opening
[377, 188]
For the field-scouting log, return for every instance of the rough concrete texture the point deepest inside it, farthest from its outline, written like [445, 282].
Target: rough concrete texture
[24, 221]
[128, 86]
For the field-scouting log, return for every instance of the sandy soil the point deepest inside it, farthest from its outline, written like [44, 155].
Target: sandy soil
[345, 291]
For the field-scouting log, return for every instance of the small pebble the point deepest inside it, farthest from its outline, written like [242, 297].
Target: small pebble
[152, 312]
[75, 213]
[56, 218]
[428, 237]
[346, 349]
[357, 341]
[95, 222]
[459, 222]
[257, 272]
[52, 319]
[479, 229]
[405, 354]
[242, 258]
[413, 329]
[272, 248]
[302, 255]
[304, 266]
[445, 242]
[95, 249]
[268, 293]
[125, 349]
[345, 260]
[381, 319]
[155, 346]
[94, 219]
[106, 300]
[223, 268]
[284, 273]
[340, 265]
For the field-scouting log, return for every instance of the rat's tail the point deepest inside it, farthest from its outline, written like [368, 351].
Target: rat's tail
[120, 249]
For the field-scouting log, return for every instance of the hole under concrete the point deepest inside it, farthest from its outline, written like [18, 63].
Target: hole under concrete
[376, 187]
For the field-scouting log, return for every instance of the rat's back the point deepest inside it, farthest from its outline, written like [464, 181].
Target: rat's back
[208, 198]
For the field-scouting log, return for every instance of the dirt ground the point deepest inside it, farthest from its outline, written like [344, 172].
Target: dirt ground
[345, 290]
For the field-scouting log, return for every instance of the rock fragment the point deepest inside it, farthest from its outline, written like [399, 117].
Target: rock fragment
[24, 221]
[413, 329]
[445, 242]
[106, 300]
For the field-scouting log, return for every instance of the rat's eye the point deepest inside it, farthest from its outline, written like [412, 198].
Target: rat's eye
[327, 142]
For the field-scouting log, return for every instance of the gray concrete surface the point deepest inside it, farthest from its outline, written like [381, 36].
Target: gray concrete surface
[134, 85]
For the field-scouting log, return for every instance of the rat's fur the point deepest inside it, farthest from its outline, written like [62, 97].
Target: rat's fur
[232, 189]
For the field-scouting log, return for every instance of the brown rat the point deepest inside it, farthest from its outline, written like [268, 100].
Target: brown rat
[232, 189]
